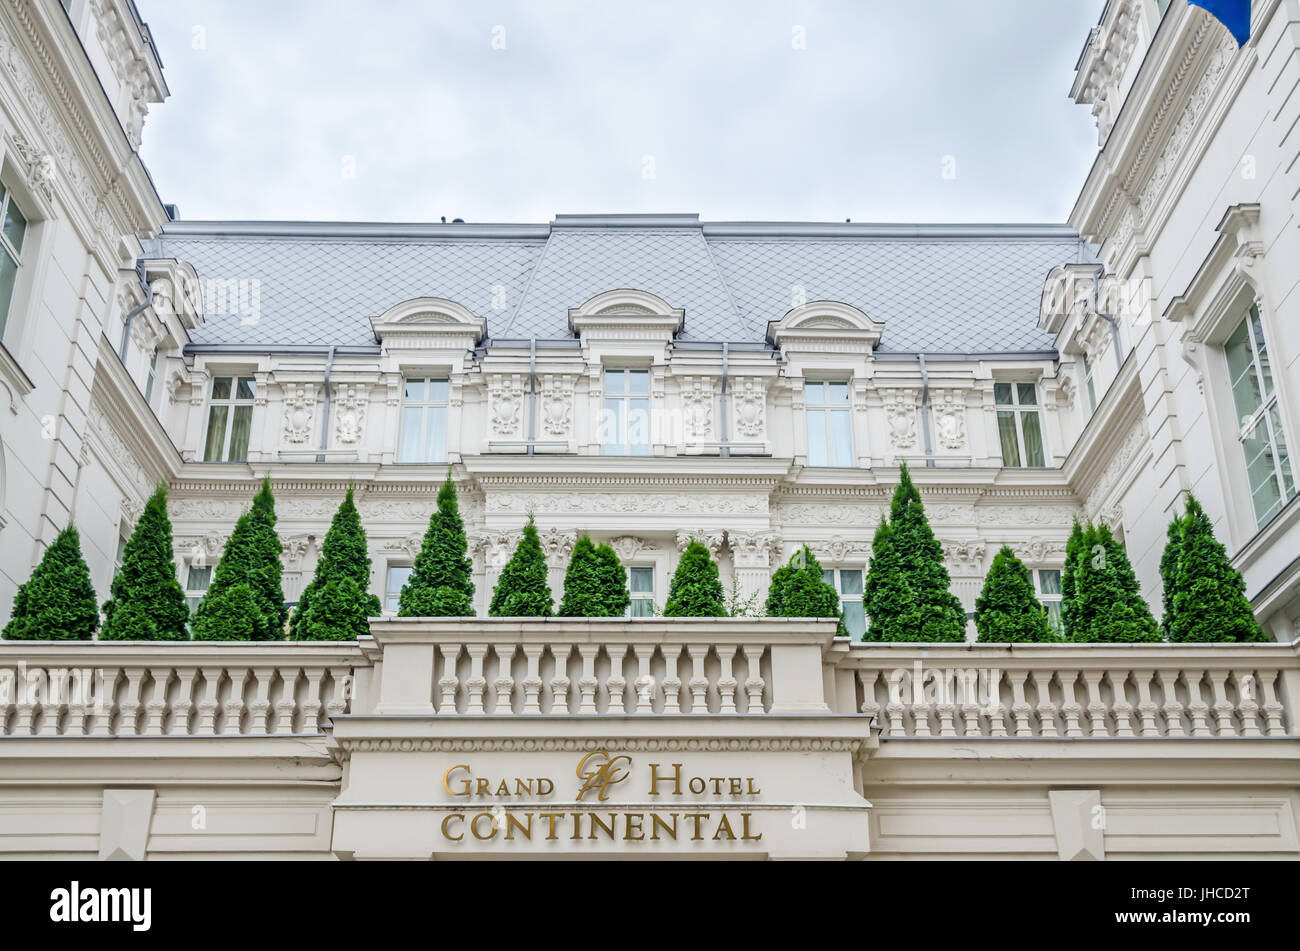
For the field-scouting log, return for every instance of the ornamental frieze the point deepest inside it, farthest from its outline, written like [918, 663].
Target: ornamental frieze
[617, 503]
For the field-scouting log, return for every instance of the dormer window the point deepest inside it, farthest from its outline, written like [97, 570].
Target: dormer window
[830, 440]
[1020, 429]
[625, 422]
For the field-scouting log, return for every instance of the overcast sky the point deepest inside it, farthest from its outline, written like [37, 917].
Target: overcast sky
[875, 110]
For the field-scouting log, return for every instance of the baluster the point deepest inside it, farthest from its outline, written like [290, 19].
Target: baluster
[533, 679]
[1248, 702]
[287, 705]
[156, 708]
[945, 707]
[129, 708]
[53, 703]
[1196, 706]
[754, 682]
[259, 708]
[8, 696]
[208, 705]
[896, 707]
[1146, 707]
[1096, 706]
[726, 680]
[647, 688]
[476, 683]
[80, 690]
[340, 692]
[699, 682]
[1173, 709]
[672, 682]
[560, 682]
[1223, 707]
[1272, 706]
[615, 683]
[1020, 708]
[870, 706]
[588, 684]
[1045, 708]
[311, 704]
[233, 708]
[1120, 707]
[997, 710]
[1071, 709]
[183, 705]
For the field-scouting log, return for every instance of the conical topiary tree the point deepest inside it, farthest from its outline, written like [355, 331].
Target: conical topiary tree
[613, 581]
[343, 558]
[1072, 547]
[923, 608]
[798, 590]
[57, 602]
[885, 594]
[1108, 603]
[695, 590]
[147, 602]
[522, 590]
[1209, 600]
[251, 558]
[1007, 609]
[1169, 572]
[441, 582]
[232, 614]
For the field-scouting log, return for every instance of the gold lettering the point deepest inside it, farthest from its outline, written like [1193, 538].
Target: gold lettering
[603, 774]
[447, 775]
[627, 830]
[523, 786]
[503, 789]
[550, 818]
[550, 787]
[577, 826]
[744, 828]
[446, 834]
[735, 786]
[697, 818]
[484, 787]
[597, 821]
[512, 822]
[692, 787]
[656, 779]
[717, 784]
[473, 825]
[753, 790]
[723, 824]
[657, 821]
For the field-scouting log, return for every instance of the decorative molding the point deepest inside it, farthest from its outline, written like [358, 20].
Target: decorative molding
[965, 554]
[825, 327]
[350, 401]
[558, 545]
[1040, 551]
[697, 395]
[557, 403]
[748, 397]
[711, 540]
[505, 404]
[299, 411]
[948, 407]
[900, 411]
[628, 546]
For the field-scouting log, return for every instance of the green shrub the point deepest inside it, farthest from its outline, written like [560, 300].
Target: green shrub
[1209, 600]
[343, 557]
[798, 590]
[147, 602]
[1007, 609]
[522, 590]
[251, 558]
[57, 602]
[1108, 604]
[595, 582]
[1068, 594]
[441, 582]
[695, 590]
[232, 614]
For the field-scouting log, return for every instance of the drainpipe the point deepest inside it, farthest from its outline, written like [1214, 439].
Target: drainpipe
[532, 393]
[925, 411]
[1114, 327]
[325, 410]
[130, 317]
[725, 450]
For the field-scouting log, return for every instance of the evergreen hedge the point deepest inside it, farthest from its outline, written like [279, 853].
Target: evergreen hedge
[613, 580]
[522, 590]
[441, 582]
[252, 559]
[147, 602]
[1205, 597]
[336, 604]
[595, 582]
[695, 590]
[798, 590]
[1108, 606]
[232, 614]
[57, 602]
[1007, 609]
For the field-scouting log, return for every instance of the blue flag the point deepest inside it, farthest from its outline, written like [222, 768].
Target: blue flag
[1234, 14]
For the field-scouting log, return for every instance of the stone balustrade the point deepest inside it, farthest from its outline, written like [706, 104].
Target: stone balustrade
[113, 689]
[1070, 690]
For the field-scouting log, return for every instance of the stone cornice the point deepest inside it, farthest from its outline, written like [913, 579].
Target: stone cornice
[1112, 422]
[131, 419]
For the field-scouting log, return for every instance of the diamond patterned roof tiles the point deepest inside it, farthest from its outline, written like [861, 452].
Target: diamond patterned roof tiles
[954, 289]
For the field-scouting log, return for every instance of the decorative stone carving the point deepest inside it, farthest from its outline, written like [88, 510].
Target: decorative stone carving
[38, 165]
[202, 549]
[575, 503]
[293, 548]
[900, 412]
[967, 554]
[754, 549]
[558, 545]
[711, 540]
[299, 411]
[838, 550]
[1038, 551]
[557, 404]
[628, 546]
[408, 545]
[749, 399]
[505, 400]
[949, 418]
[350, 401]
[697, 408]
[1069, 389]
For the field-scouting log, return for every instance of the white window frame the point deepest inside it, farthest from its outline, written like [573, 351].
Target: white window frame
[635, 597]
[151, 377]
[424, 405]
[836, 581]
[234, 401]
[395, 595]
[1047, 599]
[194, 595]
[827, 410]
[1089, 383]
[15, 254]
[1021, 410]
[622, 428]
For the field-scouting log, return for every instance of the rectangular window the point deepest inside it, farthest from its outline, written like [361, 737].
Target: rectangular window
[625, 422]
[1019, 427]
[1089, 384]
[829, 439]
[641, 585]
[230, 419]
[848, 583]
[197, 580]
[424, 421]
[396, 581]
[1263, 442]
[153, 374]
[12, 232]
[1048, 582]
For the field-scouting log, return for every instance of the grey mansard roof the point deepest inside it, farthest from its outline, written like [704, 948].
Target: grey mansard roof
[936, 288]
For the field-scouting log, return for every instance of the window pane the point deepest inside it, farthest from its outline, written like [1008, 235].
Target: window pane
[221, 388]
[840, 434]
[415, 390]
[817, 449]
[8, 275]
[1002, 393]
[1261, 348]
[244, 389]
[850, 581]
[216, 433]
[1028, 395]
[814, 393]
[641, 580]
[828, 575]
[412, 420]
[1033, 439]
[1261, 470]
[1283, 457]
[15, 225]
[397, 577]
[638, 427]
[198, 579]
[435, 446]
[615, 381]
[643, 607]
[612, 426]
[1007, 436]
[1049, 581]
[839, 394]
[855, 619]
[239, 429]
[438, 390]
[638, 381]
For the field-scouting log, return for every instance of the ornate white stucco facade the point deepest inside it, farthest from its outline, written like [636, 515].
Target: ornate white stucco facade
[782, 372]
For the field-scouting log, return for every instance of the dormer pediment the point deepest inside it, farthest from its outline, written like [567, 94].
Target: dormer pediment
[627, 314]
[429, 323]
[826, 327]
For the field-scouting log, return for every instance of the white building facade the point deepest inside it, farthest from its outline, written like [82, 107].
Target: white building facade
[646, 379]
